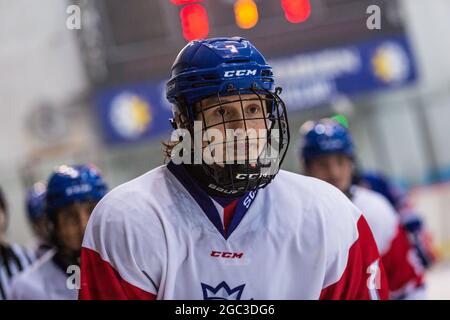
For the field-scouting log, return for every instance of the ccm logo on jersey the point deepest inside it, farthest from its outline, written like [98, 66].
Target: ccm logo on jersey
[229, 255]
[239, 73]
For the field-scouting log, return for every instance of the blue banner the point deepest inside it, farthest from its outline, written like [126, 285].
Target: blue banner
[134, 113]
[311, 79]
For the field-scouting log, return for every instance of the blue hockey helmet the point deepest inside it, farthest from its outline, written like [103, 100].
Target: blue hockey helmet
[325, 136]
[70, 184]
[35, 201]
[380, 183]
[206, 68]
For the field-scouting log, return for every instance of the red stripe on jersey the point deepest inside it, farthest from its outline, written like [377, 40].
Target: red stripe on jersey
[401, 264]
[100, 281]
[364, 277]
[228, 213]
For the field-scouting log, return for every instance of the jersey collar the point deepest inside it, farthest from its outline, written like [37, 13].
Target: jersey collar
[206, 203]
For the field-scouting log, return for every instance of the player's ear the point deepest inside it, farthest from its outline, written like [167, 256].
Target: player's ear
[353, 165]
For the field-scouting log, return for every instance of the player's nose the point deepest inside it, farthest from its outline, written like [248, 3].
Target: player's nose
[234, 118]
[334, 172]
[236, 124]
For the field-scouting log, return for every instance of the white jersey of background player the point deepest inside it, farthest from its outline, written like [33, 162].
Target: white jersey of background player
[44, 280]
[71, 195]
[327, 153]
[228, 230]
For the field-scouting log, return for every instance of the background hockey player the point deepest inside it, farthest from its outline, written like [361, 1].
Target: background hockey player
[228, 229]
[13, 258]
[409, 218]
[72, 193]
[35, 206]
[327, 153]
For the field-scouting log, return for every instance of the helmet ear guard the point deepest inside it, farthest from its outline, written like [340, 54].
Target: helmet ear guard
[179, 121]
[173, 123]
[183, 115]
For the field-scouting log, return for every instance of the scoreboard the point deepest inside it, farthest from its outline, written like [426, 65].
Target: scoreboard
[138, 40]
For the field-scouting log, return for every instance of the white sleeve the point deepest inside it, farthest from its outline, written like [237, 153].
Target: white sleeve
[125, 235]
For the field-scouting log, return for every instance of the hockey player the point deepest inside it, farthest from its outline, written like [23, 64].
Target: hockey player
[72, 193]
[409, 218]
[327, 153]
[13, 257]
[206, 228]
[35, 206]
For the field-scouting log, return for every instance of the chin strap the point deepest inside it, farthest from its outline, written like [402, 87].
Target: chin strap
[208, 184]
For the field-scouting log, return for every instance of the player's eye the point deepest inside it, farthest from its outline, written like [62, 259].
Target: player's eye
[220, 111]
[341, 160]
[71, 217]
[253, 109]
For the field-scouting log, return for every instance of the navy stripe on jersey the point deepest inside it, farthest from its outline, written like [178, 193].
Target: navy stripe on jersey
[207, 205]
[13, 260]
[241, 210]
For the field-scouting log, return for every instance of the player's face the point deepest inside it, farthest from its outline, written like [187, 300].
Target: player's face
[247, 118]
[71, 224]
[334, 168]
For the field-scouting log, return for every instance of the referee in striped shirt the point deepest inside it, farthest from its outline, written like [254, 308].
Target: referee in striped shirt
[13, 258]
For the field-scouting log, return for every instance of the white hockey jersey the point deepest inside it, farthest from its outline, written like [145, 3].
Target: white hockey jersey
[44, 280]
[380, 216]
[403, 268]
[161, 237]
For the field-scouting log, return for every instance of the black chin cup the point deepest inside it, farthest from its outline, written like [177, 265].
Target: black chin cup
[237, 179]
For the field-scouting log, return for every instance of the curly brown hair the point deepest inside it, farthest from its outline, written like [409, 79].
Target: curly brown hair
[168, 147]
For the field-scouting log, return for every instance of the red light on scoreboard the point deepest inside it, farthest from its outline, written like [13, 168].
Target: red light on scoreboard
[194, 21]
[183, 2]
[296, 11]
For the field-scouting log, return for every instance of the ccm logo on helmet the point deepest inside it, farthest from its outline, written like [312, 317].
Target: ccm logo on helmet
[230, 255]
[250, 176]
[78, 189]
[239, 73]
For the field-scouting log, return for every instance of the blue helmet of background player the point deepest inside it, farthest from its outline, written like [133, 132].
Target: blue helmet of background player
[71, 184]
[379, 183]
[222, 67]
[35, 201]
[409, 218]
[325, 137]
